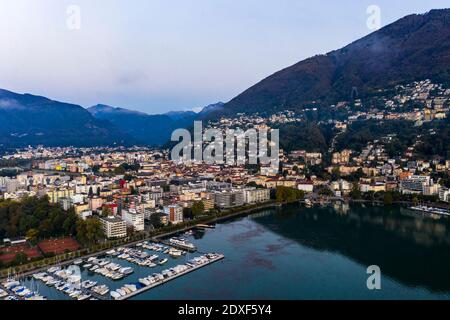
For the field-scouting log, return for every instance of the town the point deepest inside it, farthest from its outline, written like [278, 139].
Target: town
[87, 197]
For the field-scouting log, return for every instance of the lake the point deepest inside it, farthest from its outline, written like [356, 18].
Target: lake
[311, 253]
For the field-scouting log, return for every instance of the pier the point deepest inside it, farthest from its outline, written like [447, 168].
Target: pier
[204, 226]
[144, 289]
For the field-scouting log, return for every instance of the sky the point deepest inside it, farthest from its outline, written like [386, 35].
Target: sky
[157, 56]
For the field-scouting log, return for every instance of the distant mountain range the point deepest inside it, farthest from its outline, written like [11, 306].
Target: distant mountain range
[147, 129]
[415, 47]
[33, 120]
[26, 119]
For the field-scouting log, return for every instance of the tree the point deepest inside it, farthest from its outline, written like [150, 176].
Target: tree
[69, 224]
[106, 211]
[20, 258]
[119, 170]
[188, 214]
[388, 198]
[91, 192]
[89, 231]
[335, 174]
[155, 220]
[94, 230]
[198, 208]
[32, 235]
[355, 193]
[287, 194]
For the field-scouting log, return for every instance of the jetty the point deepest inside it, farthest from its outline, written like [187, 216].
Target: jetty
[217, 257]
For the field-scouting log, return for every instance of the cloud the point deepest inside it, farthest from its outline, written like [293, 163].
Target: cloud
[132, 77]
[10, 104]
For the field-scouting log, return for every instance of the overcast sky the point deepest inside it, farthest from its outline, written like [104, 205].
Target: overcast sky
[162, 55]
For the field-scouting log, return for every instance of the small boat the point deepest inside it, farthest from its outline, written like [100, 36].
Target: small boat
[144, 281]
[163, 261]
[78, 262]
[94, 268]
[175, 253]
[121, 292]
[84, 297]
[115, 295]
[131, 287]
[101, 290]
[126, 270]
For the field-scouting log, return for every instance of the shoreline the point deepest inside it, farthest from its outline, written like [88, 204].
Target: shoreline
[156, 238]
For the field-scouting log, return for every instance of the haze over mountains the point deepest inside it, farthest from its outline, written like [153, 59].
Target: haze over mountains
[414, 48]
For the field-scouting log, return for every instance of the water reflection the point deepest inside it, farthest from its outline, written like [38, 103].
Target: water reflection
[409, 248]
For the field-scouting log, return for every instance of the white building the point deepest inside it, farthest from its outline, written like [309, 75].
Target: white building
[134, 219]
[444, 194]
[256, 195]
[415, 184]
[229, 198]
[307, 187]
[114, 227]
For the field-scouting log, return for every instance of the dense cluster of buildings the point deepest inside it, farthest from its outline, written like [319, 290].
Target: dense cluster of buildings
[127, 188]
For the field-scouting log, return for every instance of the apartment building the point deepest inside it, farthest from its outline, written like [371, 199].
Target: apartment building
[114, 227]
[256, 195]
[134, 219]
[229, 199]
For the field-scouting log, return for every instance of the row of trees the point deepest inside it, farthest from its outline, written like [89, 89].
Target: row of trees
[36, 218]
[390, 197]
[197, 209]
[286, 194]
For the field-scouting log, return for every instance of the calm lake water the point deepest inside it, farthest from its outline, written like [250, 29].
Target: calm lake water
[316, 253]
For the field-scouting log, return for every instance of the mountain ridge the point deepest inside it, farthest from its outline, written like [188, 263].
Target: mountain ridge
[31, 119]
[412, 48]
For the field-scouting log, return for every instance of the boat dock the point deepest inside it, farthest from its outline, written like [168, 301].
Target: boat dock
[205, 226]
[144, 289]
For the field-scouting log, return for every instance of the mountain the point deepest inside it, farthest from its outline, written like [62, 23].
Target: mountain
[150, 129]
[30, 120]
[179, 115]
[415, 47]
[212, 107]
[153, 130]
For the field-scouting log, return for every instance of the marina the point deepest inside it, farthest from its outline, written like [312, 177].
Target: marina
[10, 289]
[165, 276]
[311, 247]
[105, 277]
